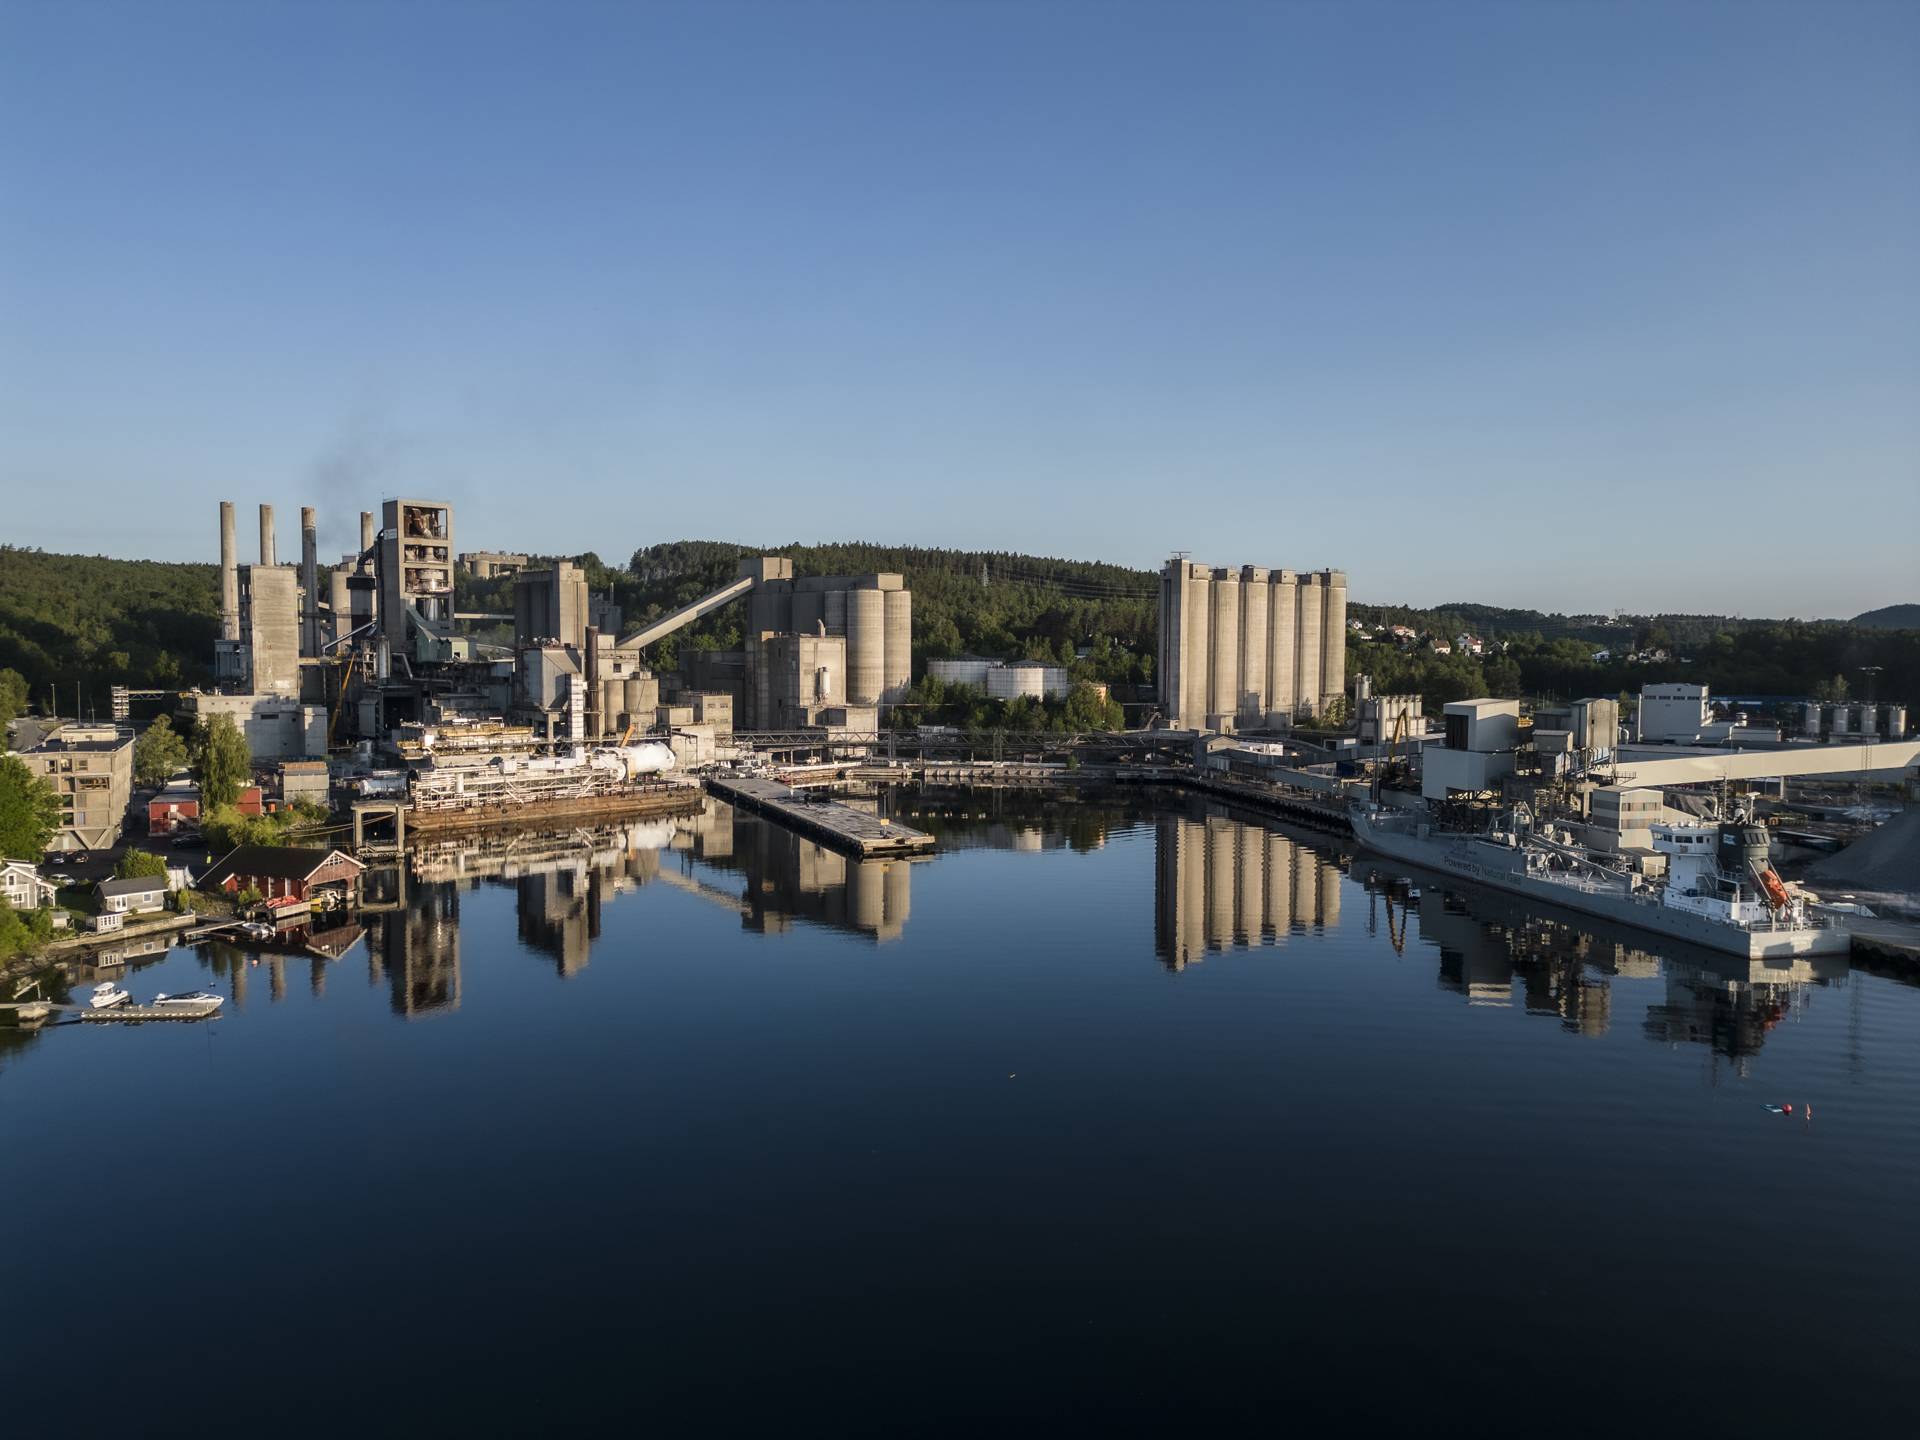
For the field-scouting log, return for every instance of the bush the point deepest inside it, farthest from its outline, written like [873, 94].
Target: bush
[248, 896]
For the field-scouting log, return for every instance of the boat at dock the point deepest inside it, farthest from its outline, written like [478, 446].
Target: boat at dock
[196, 1000]
[1719, 890]
[106, 995]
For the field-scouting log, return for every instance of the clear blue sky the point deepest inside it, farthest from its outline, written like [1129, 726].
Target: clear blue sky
[1558, 304]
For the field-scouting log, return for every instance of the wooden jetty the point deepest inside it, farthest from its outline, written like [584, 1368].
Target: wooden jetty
[137, 1014]
[840, 827]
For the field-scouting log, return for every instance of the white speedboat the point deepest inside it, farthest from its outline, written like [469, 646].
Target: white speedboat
[106, 995]
[191, 1000]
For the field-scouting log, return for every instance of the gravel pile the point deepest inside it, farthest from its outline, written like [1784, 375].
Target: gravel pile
[1886, 861]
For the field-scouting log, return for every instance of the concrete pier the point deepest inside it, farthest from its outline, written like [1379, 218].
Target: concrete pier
[831, 823]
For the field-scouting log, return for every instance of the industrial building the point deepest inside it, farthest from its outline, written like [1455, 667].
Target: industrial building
[1249, 649]
[372, 651]
[90, 768]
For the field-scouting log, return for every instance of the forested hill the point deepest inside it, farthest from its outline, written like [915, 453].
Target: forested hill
[993, 603]
[1890, 617]
[87, 619]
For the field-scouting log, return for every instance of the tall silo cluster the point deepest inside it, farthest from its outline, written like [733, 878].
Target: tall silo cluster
[1251, 648]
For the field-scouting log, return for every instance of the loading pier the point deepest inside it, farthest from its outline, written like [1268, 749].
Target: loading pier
[839, 826]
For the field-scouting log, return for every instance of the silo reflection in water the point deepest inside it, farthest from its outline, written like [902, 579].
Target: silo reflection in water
[1222, 883]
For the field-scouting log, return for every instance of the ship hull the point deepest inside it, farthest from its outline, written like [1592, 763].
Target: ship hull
[1457, 857]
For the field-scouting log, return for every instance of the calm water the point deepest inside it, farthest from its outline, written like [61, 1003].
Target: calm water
[1137, 1118]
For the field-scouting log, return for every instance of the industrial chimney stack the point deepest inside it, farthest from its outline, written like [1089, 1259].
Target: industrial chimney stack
[229, 575]
[266, 535]
[366, 531]
[309, 582]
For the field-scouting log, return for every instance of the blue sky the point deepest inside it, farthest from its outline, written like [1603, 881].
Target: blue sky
[1565, 305]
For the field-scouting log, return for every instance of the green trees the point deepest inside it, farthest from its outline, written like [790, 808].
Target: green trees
[13, 699]
[221, 760]
[136, 864]
[98, 621]
[22, 933]
[29, 811]
[158, 753]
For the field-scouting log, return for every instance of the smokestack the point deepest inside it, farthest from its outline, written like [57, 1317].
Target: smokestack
[266, 535]
[229, 575]
[310, 579]
[366, 531]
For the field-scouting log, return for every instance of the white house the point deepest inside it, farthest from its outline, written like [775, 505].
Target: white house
[138, 895]
[24, 887]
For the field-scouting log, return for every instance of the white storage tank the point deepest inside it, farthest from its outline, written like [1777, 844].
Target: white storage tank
[897, 663]
[1010, 682]
[964, 671]
[866, 646]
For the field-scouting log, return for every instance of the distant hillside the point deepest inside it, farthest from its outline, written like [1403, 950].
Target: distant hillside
[1889, 617]
[100, 622]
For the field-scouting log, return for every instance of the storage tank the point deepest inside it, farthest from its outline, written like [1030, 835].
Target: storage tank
[866, 646]
[897, 663]
[1840, 719]
[1810, 719]
[1255, 611]
[1282, 622]
[1011, 682]
[1333, 633]
[1195, 617]
[1896, 722]
[959, 672]
[1306, 669]
[1223, 649]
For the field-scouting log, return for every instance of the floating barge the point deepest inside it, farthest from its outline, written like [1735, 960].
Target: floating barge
[838, 826]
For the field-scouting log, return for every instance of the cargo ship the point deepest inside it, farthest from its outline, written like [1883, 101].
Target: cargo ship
[1719, 890]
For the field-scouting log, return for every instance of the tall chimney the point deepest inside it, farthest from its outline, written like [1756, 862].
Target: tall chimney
[366, 531]
[229, 575]
[309, 581]
[266, 535]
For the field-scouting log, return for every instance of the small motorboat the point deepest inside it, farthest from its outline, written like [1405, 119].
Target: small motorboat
[106, 995]
[254, 930]
[192, 1000]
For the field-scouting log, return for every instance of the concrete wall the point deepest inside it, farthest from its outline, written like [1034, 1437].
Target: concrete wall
[276, 727]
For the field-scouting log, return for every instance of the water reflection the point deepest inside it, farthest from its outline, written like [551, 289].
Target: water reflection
[1496, 950]
[1220, 883]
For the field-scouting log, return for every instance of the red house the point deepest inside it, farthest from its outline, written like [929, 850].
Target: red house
[178, 808]
[282, 872]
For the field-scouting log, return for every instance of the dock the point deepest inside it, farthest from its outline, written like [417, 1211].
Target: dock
[136, 1014]
[840, 827]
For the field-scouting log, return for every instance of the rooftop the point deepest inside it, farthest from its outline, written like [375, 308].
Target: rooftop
[133, 885]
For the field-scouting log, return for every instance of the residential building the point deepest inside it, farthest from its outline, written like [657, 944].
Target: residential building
[91, 769]
[23, 887]
[136, 895]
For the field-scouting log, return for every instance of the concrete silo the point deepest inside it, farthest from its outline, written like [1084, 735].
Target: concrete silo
[866, 646]
[897, 662]
[1333, 636]
[1255, 610]
[1283, 590]
[1306, 670]
[1223, 651]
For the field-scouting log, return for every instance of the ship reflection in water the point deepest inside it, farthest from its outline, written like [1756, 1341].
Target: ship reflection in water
[1496, 950]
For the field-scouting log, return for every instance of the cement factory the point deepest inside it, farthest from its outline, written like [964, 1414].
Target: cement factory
[368, 652]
